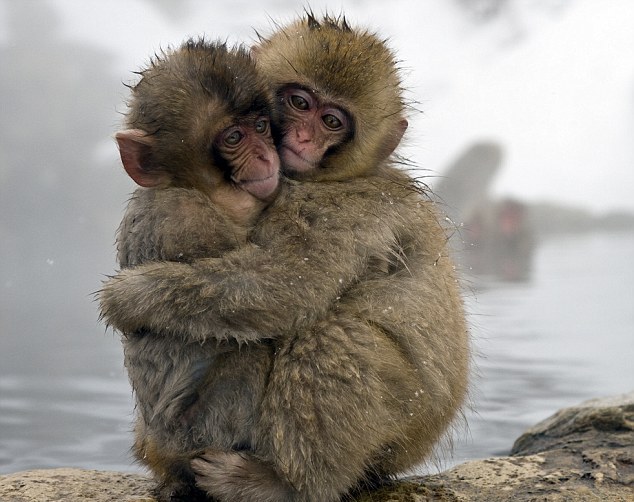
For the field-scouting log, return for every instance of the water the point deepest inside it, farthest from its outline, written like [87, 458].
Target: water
[563, 337]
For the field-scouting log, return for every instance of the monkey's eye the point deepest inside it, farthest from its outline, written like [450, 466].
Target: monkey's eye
[299, 102]
[334, 118]
[332, 122]
[261, 126]
[233, 138]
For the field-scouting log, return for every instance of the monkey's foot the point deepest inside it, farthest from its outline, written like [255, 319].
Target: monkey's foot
[237, 477]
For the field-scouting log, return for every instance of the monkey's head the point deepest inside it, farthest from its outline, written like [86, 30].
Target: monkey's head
[339, 97]
[200, 118]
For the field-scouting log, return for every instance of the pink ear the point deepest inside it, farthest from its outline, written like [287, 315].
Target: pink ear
[135, 149]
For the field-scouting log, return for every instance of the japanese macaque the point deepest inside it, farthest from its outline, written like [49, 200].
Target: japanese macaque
[347, 275]
[199, 143]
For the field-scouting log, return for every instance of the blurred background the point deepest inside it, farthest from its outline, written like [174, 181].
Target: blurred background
[523, 125]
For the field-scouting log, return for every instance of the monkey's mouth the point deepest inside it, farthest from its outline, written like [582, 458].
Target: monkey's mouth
[262, 188]
[293, 161]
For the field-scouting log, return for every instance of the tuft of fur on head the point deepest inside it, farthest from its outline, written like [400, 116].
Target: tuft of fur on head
[189, 93]
[353, 68]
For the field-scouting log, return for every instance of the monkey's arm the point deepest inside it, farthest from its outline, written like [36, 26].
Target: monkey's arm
[253, 293]
[312, 250]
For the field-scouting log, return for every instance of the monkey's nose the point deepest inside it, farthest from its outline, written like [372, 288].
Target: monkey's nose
[303, 134]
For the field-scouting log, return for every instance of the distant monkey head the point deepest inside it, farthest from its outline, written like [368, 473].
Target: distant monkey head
[339, 96]
[200, 118]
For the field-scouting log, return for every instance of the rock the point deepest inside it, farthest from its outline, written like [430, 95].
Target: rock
[580, 454]
[70, 485]
[598, 423]
[584, 453]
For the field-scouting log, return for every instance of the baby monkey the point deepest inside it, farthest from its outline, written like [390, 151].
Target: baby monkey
[199, 143]
[350, 278]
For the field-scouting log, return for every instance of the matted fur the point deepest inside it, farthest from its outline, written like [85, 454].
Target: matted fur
[349, 282]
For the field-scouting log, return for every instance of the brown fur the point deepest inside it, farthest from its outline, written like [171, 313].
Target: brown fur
[351, 280]
[184, 98]
[353, 68]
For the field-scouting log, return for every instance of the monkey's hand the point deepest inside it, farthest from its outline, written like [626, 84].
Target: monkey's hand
[167, 297]
[124, 298]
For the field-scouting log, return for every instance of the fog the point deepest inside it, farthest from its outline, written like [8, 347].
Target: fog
[549, 83]
[550, 80]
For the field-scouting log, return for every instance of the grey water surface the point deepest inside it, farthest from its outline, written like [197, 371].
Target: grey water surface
[564, 336]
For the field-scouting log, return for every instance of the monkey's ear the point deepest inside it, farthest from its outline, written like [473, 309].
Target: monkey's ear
[136, 151]
[255, 51]
[394, 139]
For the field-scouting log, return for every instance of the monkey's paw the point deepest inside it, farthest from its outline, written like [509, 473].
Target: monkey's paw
[237, 476]
[123, 300]
[214, 467]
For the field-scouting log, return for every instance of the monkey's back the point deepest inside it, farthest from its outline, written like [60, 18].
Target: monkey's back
[388, 365]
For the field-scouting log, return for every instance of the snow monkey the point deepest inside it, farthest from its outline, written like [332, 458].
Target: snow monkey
[346, 275]
[198, 141]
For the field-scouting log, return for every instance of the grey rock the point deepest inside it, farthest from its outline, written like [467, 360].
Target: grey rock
[580, 454]
[598, 423]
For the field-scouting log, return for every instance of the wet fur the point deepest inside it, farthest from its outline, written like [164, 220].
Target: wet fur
[352, 285]
[368, 372]
[186, 393]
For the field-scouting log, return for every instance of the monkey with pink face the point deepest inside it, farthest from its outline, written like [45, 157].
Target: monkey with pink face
[199, 144]
[343, 302]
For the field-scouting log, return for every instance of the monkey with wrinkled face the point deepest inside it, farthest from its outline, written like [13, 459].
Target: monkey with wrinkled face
[351, 276]
[199, 144]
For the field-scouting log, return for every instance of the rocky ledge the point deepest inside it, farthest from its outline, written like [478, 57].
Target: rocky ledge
[580, 454]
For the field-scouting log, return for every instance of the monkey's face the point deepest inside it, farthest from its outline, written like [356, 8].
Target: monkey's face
[249, 156]
[311, 128]
[352, 71]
